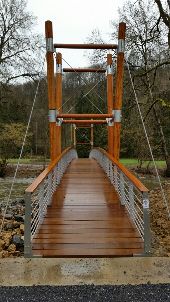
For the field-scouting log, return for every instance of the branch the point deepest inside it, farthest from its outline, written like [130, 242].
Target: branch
[153, 68]
[163, 14]
[31, 75]
[150, 108]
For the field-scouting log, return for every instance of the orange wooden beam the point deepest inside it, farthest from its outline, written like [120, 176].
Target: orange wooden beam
[44, 174]
[110, 100]
[95, 70]
[58, 99]
[84, 115]
[84, 122]
[119, 90]
[86, 46]
[50, 80]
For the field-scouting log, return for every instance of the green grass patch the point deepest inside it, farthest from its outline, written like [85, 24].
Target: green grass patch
[133, 162]
[32, 160]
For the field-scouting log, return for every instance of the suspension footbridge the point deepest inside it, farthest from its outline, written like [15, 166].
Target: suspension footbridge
[86, 207]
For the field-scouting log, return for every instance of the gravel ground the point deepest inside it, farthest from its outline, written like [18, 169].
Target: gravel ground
[90, 293]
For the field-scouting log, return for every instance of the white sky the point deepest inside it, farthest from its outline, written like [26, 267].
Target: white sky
[74, 20]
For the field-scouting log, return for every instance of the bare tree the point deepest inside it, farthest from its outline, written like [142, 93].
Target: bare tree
[20, 47]
[147, 49]
[164, 15]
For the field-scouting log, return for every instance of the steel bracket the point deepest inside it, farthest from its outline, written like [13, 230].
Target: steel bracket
[49, 45]
[117, 116]
[59, 121]
[58, 68]
[110, 121]
[52, 115]
[109, 69]
[121, 46]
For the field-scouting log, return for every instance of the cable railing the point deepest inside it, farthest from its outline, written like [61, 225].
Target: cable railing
[133, 194]
[38, 196]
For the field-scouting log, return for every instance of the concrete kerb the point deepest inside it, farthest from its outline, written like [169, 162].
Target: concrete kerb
[98, 271]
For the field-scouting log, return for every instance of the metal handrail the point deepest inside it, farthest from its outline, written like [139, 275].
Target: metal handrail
[40, 193]
[136, 182]
[133, 194]
[45, 173]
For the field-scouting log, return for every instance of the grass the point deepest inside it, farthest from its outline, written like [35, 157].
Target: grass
[132, 162]
[129, 162]
[32, 160]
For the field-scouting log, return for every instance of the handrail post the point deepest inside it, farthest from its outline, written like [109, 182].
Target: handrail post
[122, 189]
[132, 201]
[115, 177]
[50, 188]
[27, 227]
[58, 100]
[41, 200]
[51, 92]
[146, 219]
[119, 91]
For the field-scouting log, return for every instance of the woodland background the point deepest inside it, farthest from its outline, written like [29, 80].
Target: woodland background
[22, 54]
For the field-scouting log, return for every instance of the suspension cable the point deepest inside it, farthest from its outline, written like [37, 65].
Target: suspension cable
[147, 138]
[86, 84]
[85, 95]
[21, 152]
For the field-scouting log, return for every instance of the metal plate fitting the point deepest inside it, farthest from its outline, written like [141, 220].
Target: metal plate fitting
[110, 121]
[49, 45]
[117, 116]
[121, 46]
[59, 121]
[58, 68]
[109, 69]
[52, 115]
[146, 203]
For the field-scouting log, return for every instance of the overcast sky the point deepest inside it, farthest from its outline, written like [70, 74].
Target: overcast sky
[74, 20]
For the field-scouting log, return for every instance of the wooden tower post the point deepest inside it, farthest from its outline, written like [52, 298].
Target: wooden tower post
[119, 89]
[110, 101]
[92, 136]
[58, 100]
[51, 90]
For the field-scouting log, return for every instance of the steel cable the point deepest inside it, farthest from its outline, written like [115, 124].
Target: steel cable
[21, 152]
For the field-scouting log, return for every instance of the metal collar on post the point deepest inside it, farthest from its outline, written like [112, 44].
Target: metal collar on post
[49, 45]
[117, 116]
[52, 115]
[109, 69]
[121, 46]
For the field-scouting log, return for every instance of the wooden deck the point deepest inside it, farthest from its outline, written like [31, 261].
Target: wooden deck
[85, 218]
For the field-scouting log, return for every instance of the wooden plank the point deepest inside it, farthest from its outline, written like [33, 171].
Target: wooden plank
[97, 246]
[88, 223]
[89, 240]
[100, 234]
[74, 230]
[85, 218]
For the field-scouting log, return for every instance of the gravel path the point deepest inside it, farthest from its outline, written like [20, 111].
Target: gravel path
[89, 293]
